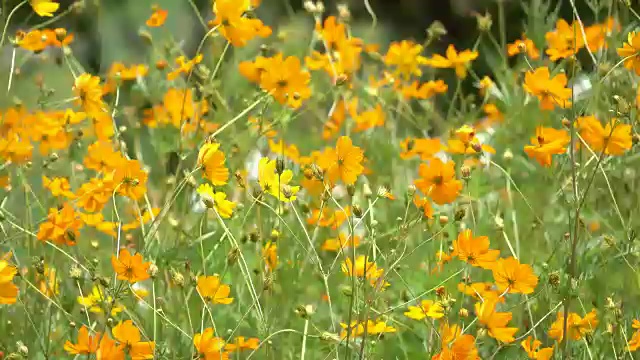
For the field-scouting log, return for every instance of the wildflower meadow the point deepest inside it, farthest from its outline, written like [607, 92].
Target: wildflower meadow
[306, 189]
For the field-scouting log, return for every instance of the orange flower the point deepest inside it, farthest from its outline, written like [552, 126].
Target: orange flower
[482, 291]
[437, 180]
[495, 322]
[286, 81]
[550, 91]
[58, 186]
[614, 138]
[102, 157]
[87, 344]
[208, 346]
[577, 326]
[533, 350]
[253, 70]
[406, 57]
[454, 60]
[338, 115]
[455, 345]
[58, 37]
[158, 17]
[138, 221]
[329, 218]
[634, 342]
[290, 151]
[369, 119]
[87, 88]
[474, 251]
[131, 180]
[234, 26]
[425, 148]
[424, 205]
[34, 40]
[129, 335]
[547, 142]
[130, 268]
[341, 243]
[630, 51]
[466, 142]
[240, 343]
[512, 277]
[441, 259]
[564, 41]
[523, 45]
[184, 66]
[212, 160]
[425, 90]
[270, 255]
[8, 290]
[110, 350]
[62, 226]
[93, 195]
[213, 290]
[342, 56]
[342, 163]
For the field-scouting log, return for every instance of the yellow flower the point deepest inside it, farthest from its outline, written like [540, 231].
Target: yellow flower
[427, 308]
[547, 142]
[405, 57]
[631, 52]
[212, 160]
[213, 290]
[97, 301]
[44, 7]
[274, 184]
[216, 200]
[454, 60]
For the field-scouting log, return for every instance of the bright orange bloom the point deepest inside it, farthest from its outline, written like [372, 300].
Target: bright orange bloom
[342, 53]
[369, 119]
[406, 57]
[513, 277]
[630, 51]
[110, 350]
[455, 345]
[533, 350]
[424, 148]
[481, 291]
[184, 66]
[474, 250]
[425, 90]
[8, 290]
[96, 220]
[208, 346]
[551, 91]
[577, 326]
[634, 342]
[102, 157]
[131, 180]
[213, 290]
[342, 163]
[564, 41]
[87, 344]
[94, 194]
[130, 268]
[424, 205]
[466, 142]
[237, 28]
[495, 322]
[87, 88]
[329, 218]
[270, 255]
[547, 142]
[286, 81]
[523, 45]
[139, 220]
[614, 138]
[437, 180]
[427, 308]
[342, 243]
[58, 186]
[338, 115]
[62, 226]
[129, 335]
[597, 33]
[454, 60]
[241, 343]
[158, 17]
[212, 161]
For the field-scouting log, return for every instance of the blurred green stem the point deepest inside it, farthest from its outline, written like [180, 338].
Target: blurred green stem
[6, 24]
